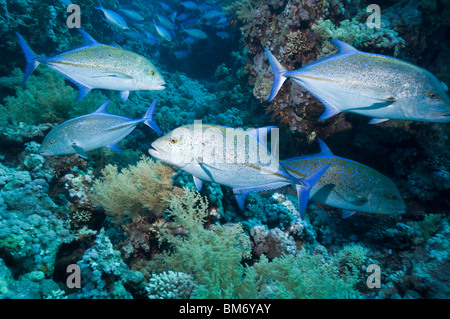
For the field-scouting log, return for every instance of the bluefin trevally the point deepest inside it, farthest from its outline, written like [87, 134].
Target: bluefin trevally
[196, 33]
[92, 131]
[112, 17]
[369, 84]
[230, 157]
[347, 184]
[99, 66]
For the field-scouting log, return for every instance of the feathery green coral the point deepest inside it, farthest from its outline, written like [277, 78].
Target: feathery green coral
[146, 185]
[214, 256]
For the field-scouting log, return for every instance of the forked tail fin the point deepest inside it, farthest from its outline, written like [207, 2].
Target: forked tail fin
[278, 74]
[148, 118]
[32, 59]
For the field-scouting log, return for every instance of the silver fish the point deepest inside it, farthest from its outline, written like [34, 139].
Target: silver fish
[92, 131]
[113, 17]
[369, 84]
[347, 184]
[98, 66]
[196, 33]
[230, 157]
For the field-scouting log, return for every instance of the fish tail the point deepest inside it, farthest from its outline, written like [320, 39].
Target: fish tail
[148, 118]
[305, 186]
[99, 6]
[32, 59]
[278, 73]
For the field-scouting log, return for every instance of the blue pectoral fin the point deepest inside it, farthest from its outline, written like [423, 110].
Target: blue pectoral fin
[32, 59]
[198, 183]
[148, 118]
[278, 74]
[114, 147]
[242, 192]
[347, 213]
[80, 151]
[304, 189]
[376, 121]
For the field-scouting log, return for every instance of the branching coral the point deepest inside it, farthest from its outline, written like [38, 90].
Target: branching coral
[212, 256]
[46, 98]
[146, 185]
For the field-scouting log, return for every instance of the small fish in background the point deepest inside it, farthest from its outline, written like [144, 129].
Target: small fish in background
[163, 32]
[369, 84]
[131, 15]
[251, 169]
[188, 40]
[223, 35]
[92, 131]
[347, 184]
[196, 33]
[189, 5]
[133, 35]
[165, 6]
[165, 22]
[189, 22]
[182, 17]
[212, 14]
[87, 67]
[180, 54]
[113, 17]
[205, 6]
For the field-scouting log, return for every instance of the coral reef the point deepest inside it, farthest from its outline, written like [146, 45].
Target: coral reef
[137, 228]
[146, 185]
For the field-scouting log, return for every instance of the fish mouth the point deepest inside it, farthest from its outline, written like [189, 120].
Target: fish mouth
[153, 151]
[160, 86]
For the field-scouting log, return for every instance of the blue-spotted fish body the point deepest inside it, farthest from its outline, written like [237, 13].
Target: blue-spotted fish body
[348, 184]
[369, 84]
[92, 131]
[98, 66]
[230, 157]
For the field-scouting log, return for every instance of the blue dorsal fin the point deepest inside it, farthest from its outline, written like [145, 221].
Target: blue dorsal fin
[79, 150]
[347, 213]
[376, 121]
[87, 37]
[261, 132]
[324, 149]
[343, 47]
[102, 108]
[114, 147]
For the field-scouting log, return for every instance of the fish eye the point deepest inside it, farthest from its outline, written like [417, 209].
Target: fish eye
[151, 72]
[51, 143]
[174, 140]
[431, 95]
